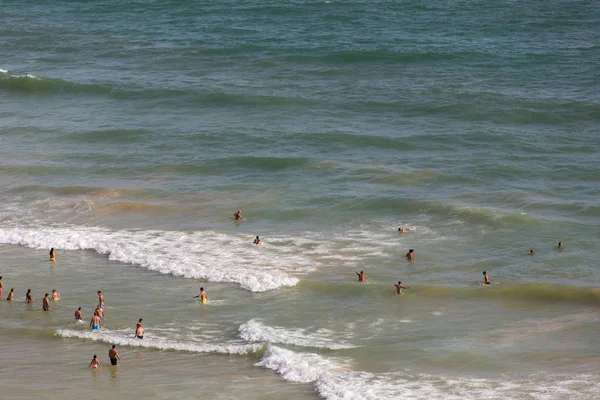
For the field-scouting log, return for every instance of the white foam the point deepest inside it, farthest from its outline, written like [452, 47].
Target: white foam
[335, 380]
[198, 255]
[256, 331]
[3, 71]
[123, 338]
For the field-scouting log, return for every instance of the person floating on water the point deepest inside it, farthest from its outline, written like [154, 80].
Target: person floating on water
[28, 297]
[139, 329]
[399, 287]
[55, 295]
[257, 240]
[559, 246]
[52, 255]
[113, 355]
[203, 297]
[11, 294]
[362, 276]
[95, 363]
[95, 322]
[486, 278]
[78, 315]
[46, 303]
[238, 216]
[403, 229]
[410, 255]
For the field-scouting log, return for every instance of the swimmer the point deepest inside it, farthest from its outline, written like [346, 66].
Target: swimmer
[113, 355]
[362, 276]
[100, 299]
[1, 285]
[257, 240]
[403, 229]
[399, 287]
[100, 311]
[139, 329]
[238, 216]
[559, 246]
[79, 314]
[11, 294]
[95, 322]
[28, 297]
[203, 297]
[95, 363]
[410, 255]
[52, 255]
[55, 295]
[46, 303]
[486, 279]
[531, 252]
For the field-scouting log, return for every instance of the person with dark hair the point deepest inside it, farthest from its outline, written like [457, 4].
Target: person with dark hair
[139, 329]
[28, 297]
[410, 255]
[362, 276]
[52, 255]
[46, 303]
[257, 240]
[113, 355]
[486, 278]
[95, 363]
[399, 287]
[11, 294]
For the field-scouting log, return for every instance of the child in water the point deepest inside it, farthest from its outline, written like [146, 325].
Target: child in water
[95, 363]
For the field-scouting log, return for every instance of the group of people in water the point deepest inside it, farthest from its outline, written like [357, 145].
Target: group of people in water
[410, 256]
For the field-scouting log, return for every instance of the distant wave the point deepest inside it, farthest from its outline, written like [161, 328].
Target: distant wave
[28, 83]
[256, 331]
[124, 339]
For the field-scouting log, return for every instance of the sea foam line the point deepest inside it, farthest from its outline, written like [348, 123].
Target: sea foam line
[197, 255]
[127, 339]
[256, 331]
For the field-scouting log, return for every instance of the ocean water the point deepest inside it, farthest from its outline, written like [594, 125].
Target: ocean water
[131, 133]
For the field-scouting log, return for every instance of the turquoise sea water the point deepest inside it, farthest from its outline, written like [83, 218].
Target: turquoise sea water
[131, 133]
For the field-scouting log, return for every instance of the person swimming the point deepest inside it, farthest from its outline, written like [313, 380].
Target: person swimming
[139, 329]
[95, 363]
[486, 278]
[403, 229]
[362, 276]
[399, 287]
[52, 255]
[531, 252]
[559, 246]
[238, 216]
[203, 297]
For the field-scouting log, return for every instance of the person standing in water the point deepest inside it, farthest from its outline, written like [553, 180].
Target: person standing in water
[203, 297]
[559, 246]
[79, 314]
[28, 297]
[95, 363]
[100, 299]
[410, 255]
[100, 311]
[399, 287]
[1, 285]
[46, 303]
[362, 276]
[11, 294]
[256, 241]
[95, 322]
[531, 252]
[52, 255]
[486, 278]
[139, 329]
[55, 295]
[113, 355]
[238, 216]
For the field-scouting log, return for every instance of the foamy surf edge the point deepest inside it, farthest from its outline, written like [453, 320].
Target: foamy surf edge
[120, 338]
[194, 255]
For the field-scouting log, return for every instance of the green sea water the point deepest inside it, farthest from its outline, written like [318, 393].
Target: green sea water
[131, 133]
